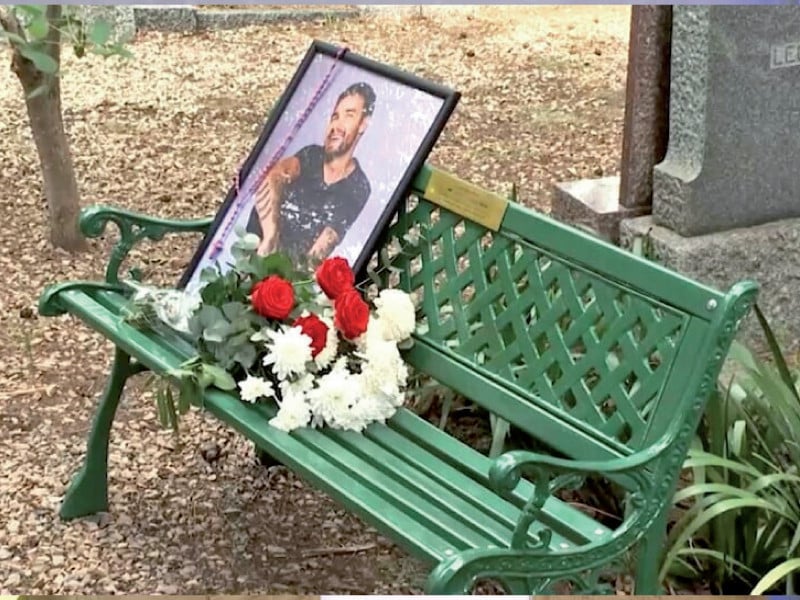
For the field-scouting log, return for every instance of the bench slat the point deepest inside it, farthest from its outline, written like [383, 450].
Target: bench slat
[568, 523]
[467, 478]
[412, 433]
[438, 503]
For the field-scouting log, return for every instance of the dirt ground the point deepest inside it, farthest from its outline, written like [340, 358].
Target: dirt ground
[163, 133]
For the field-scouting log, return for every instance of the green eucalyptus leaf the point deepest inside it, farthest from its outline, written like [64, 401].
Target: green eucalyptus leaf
[246, 356]
[234, 311]
[217, 332]
[204, 379]
[209, 315]
[221, 378]
[209, 274]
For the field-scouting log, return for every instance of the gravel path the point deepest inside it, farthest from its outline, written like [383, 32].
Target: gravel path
[163, 133]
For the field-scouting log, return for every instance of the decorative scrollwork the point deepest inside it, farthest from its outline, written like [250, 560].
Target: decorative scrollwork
[133, 227]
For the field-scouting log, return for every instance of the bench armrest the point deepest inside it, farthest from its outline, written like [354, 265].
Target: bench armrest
[133, 227]
[551, 474]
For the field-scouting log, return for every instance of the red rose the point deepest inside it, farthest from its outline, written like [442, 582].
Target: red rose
[351, 314]
[316, 329]
[273, 297]
[335, 277]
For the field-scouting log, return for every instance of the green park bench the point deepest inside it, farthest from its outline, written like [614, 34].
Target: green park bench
[601, 355]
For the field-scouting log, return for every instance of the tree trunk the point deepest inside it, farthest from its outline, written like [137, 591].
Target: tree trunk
[52, 145]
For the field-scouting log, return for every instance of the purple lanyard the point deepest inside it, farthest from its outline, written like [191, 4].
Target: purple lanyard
[276, 156]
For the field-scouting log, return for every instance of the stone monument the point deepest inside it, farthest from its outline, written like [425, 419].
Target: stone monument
[120, 18]
[726, 198]
[601, 204]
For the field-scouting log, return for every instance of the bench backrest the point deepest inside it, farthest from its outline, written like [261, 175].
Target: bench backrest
[586, 346]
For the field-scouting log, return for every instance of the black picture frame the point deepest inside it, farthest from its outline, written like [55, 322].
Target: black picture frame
[449, 99]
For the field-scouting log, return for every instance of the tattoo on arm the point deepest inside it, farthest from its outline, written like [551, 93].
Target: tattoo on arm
[325, 243]
[268, 197]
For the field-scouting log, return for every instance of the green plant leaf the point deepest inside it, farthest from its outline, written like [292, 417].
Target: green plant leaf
[777, 353]
[220, 378]
[31, 9]
[272, 264]
[782, 571]
[217, 332]
[705, 459]
[714, 511]
[246, 356]
[38, 27]
[42, 61]
[170, 404]
[161, 404]
[12, 37]
[100, 32]
[718, 556]
[187, 392]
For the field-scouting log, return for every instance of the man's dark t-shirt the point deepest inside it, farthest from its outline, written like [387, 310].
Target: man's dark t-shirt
[308, 204]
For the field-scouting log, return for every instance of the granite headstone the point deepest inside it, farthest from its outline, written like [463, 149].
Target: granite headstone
[734, 120]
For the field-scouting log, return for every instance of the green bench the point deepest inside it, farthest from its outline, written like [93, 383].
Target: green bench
[602, 356]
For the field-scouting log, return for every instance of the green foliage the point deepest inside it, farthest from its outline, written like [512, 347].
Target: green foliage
[741, 529]
[225, 329]
[31, 31]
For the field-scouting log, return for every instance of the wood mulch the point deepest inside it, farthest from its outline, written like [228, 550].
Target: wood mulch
[163, 133]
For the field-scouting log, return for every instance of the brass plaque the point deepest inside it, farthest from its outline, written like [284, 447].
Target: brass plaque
[466, 199]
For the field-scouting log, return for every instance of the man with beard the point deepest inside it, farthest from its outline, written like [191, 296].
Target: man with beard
[308, 201]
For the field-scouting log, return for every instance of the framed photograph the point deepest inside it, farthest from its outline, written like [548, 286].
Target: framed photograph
[338, 152]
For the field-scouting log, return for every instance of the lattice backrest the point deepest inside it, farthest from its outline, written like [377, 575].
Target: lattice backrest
[580, 341]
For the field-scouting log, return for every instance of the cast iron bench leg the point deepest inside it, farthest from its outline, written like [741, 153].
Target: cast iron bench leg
[649, 558]
[88, 492]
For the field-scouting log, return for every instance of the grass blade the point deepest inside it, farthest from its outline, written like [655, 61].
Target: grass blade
[782, 571]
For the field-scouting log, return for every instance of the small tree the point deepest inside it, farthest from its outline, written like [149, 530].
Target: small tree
[35, 34]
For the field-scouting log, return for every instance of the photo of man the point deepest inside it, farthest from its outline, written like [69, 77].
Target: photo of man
[307, 202]
[349, 134]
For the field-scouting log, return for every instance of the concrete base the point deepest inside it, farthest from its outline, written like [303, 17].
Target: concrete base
[188, 18]
[767, 254]
[593, 204]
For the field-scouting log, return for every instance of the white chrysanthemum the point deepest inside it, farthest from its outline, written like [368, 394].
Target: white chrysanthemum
[254, 388]
[396, 312]
[334, 397]
[340, 365]
[328, 353]
[297, 387]
[293, 413]
[374, 408]
[383, 370]
[288, 352]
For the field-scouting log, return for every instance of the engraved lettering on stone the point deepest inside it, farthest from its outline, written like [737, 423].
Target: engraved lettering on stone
[784, 55]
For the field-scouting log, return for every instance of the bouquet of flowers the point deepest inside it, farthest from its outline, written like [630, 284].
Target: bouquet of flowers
[308, 340]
